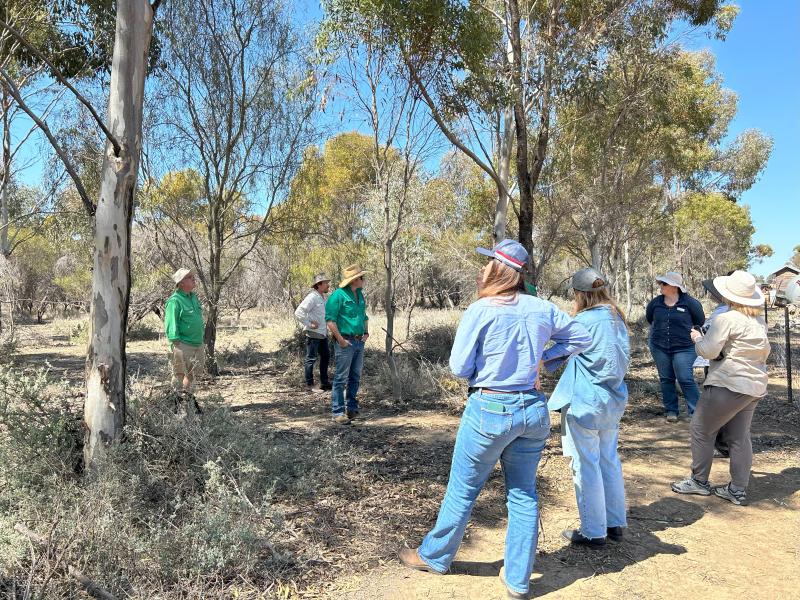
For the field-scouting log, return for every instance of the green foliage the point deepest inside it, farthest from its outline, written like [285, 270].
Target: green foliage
[714, 226]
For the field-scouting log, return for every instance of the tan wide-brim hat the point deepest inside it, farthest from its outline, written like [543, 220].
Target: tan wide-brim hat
[739, 287]
[350, 273]
[180, 275]
[319, 278]
[672, 278]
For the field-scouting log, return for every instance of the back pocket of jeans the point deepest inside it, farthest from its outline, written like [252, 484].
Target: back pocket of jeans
[495, 423]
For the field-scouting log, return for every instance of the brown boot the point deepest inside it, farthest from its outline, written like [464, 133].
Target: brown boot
[512, 594]
[410, 558]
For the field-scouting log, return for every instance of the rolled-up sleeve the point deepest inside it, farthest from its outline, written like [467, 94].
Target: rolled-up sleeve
[302, 311]
[711, 344]
[465, 345]
[332, 307]
[570, 338]
[171, 320]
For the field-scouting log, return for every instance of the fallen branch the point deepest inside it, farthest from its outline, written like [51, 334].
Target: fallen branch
[90, 586]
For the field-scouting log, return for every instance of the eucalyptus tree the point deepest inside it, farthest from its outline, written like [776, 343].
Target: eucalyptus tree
[472, 62]
[104, 407]
[235, 103]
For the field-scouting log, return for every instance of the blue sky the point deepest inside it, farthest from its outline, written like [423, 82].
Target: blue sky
[760, 61]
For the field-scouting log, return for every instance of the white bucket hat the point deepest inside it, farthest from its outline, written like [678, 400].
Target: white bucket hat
[740, 287]
[673, 278]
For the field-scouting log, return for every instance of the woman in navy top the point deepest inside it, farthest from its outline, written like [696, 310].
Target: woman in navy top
[671, 317]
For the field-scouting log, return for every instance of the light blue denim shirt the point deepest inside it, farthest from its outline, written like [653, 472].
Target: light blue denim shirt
[593, 384]
[499, 343]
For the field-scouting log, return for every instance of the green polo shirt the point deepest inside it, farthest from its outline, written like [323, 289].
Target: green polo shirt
[348, 311]
[183, 318]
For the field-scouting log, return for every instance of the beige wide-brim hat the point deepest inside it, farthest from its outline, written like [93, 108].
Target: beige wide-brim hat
[739, 287]
[180, 275]
[319, 278]
[351, 272]
[672, 278]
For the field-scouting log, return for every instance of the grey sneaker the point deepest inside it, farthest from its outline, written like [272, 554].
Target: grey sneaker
[672, 418]
[738, 497]
[691, 486]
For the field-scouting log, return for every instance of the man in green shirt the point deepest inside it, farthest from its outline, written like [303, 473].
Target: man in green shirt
[183, 323]
[346, 316]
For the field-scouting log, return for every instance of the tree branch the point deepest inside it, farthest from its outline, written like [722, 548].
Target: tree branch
[58, 75]
[14, 91]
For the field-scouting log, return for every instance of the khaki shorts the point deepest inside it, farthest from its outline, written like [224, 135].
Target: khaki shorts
[187, 360]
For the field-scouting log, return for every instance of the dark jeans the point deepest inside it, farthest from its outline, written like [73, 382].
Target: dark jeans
[316, 347]
[674, 366]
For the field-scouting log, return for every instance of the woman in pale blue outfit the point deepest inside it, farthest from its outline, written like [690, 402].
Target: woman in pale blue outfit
[498, 346]
[592, 395]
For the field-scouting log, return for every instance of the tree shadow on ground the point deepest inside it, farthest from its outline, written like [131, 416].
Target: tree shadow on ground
[565, 566]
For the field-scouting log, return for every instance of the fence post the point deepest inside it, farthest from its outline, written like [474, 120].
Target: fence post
[788, 353]
[766, 320]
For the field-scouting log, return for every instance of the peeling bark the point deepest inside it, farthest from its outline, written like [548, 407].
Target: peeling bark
[104, 408]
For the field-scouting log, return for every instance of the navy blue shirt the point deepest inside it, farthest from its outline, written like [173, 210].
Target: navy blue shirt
[670, 325]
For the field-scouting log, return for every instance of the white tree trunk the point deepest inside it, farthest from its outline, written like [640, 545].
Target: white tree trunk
[628, 298]
[104, 409]
[504, 168]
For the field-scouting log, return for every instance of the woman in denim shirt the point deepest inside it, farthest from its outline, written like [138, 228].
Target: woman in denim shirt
[672, 316]
[497, 347]
[593, 390]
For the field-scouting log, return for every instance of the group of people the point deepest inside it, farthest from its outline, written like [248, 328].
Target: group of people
[506, 337]
[343, 314]
[502, 342]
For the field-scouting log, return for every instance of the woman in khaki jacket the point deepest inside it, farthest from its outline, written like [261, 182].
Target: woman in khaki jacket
[737, 346]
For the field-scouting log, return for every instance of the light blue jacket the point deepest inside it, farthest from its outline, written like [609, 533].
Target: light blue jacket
[593, 384]
[499, 344]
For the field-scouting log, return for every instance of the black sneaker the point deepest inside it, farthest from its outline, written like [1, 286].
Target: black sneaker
[615, 534]
[352, 414]
[326, 386]
[573, 536]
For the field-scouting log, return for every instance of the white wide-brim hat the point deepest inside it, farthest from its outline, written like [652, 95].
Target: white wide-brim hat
[672, 278]
[739, 287]
[180, 275]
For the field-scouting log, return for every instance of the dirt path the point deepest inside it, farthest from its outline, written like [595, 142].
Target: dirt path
[676, 546]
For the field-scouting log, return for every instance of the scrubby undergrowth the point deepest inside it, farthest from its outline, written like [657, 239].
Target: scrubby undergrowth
[184, 508]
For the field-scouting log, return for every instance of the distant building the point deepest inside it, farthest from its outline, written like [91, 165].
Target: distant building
[781, 277]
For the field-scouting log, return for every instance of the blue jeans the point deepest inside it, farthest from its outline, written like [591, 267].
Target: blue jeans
[597, 475]
[672, 366]
[315, 347]
[349, 362]
[516, 436]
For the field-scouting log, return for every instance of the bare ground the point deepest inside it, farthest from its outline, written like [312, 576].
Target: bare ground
[394, 467]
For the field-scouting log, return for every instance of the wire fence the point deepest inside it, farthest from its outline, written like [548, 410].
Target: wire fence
[783, 325]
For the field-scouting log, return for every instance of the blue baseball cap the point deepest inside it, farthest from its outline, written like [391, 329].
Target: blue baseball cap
[509, 252]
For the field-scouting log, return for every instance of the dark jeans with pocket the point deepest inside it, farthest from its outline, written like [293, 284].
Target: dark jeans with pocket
[317, 347]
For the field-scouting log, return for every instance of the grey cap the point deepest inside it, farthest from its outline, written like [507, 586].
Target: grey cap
[586, 280]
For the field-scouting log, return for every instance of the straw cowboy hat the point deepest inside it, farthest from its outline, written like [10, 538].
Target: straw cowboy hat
[350, 273]
[673, 278]
[739, 287]
[319, 278]
[180, 275]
